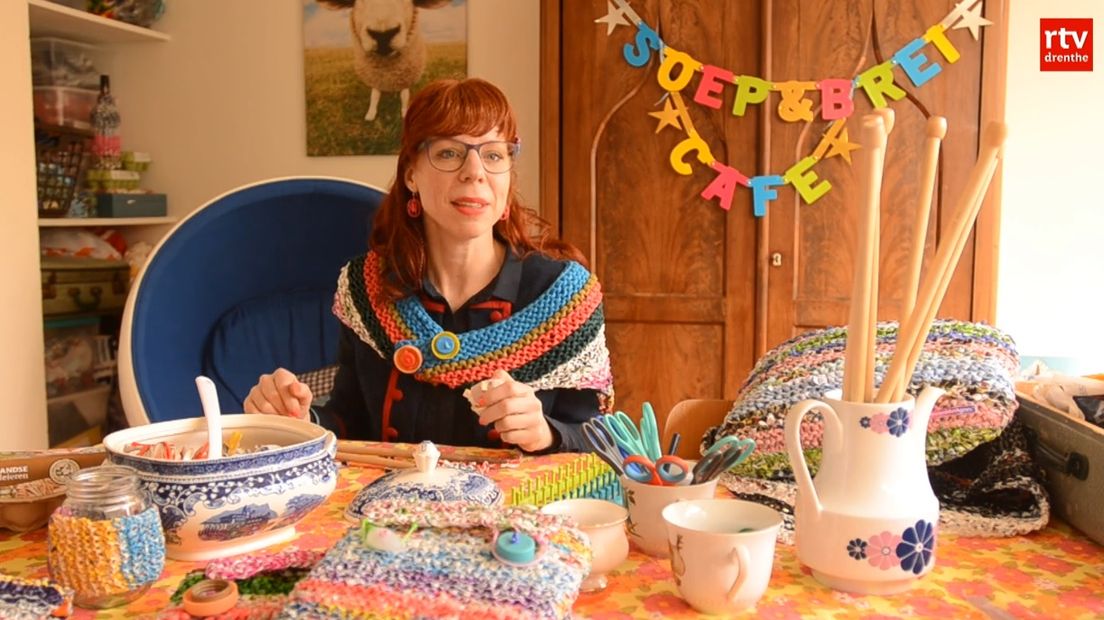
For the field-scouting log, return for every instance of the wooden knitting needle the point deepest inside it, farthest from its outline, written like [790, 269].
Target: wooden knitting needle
[855, 371]
[911, 341]
[359, 448]
[888, 119]
[935, 130]
[373, 461]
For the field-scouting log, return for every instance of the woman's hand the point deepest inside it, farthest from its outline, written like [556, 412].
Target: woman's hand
[280, 393]
[515, 411]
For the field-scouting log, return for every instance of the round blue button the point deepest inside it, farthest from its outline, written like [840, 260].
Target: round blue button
[445, 345]
[515, 547]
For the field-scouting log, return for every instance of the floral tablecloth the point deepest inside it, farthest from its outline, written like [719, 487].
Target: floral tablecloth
[1055, 573]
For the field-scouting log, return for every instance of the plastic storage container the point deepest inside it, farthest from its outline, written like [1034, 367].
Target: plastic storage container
[62, 105]
[59, 62]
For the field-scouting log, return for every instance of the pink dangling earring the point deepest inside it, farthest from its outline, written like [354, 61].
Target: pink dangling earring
[505, 214]
[413, 206]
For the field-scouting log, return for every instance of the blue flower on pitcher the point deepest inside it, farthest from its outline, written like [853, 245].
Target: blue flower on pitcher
[857, 549]
[864, 421]
[898, 422]
[916, 547]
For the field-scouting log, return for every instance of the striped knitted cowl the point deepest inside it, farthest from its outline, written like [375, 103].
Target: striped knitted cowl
[557, 341]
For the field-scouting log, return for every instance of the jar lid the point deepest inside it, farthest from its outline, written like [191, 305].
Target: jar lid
[427, 481]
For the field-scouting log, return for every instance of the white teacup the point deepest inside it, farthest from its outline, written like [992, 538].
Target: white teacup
[722, 552]
[646, 503]
[604, 524]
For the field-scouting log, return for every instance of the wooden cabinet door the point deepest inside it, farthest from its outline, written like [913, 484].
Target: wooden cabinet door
[678, 273]
[810, 288]
[692, 298]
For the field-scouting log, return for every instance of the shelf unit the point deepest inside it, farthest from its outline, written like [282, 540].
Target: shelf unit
[65, 222]
[48, 19]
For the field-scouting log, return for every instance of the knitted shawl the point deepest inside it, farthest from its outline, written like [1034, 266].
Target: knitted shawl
[557, 341]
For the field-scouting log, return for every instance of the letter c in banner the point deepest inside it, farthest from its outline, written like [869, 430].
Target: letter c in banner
[693, 143]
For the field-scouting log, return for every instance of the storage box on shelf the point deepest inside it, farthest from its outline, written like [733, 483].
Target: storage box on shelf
[83, 285]
[61, 62]
[64, 105]
[131, 205]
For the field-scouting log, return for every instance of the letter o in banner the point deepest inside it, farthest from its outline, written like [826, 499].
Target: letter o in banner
[686, 64]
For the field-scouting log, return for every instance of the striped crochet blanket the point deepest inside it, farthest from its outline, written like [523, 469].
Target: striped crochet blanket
[557, 341]
[979, 465]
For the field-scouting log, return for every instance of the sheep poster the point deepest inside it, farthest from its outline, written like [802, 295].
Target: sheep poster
[364, 59]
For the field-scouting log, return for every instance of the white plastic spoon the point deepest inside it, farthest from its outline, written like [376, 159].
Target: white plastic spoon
[208, 396]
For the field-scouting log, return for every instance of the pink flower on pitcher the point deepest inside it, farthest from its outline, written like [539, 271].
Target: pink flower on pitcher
[882, 550]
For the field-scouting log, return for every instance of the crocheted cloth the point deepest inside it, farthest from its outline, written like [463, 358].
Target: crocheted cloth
[557, 341]
[980, 467]
[446, 569]
[973, 363]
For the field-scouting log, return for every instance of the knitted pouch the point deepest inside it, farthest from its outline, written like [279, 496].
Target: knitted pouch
[974, 363]
[438, 563]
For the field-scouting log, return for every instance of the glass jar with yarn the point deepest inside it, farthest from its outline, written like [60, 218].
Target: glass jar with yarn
[105, 541]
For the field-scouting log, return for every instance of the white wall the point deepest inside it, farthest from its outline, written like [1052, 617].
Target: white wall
[223, 102]
[1051, 288]
[23, 415]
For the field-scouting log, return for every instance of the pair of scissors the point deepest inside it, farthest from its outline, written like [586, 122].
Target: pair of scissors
[625, 433]
[603, 443]
[723, 443]
[649, 431]
[669, 470]
[722, 456]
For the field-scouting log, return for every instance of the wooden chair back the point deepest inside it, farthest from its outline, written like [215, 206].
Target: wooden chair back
[691, 418]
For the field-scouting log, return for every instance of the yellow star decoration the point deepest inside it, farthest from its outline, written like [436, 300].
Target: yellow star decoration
[613, 18]
[841, 146]
[971, 17]
[668, 117]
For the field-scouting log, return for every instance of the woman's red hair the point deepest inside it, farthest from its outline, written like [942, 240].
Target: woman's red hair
[451, 108]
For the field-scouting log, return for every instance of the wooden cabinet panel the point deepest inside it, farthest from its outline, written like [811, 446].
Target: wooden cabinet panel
[691, 296]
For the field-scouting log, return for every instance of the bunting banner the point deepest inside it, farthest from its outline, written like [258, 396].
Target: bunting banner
[878, 83]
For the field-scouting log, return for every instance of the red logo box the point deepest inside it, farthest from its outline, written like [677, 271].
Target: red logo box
[1066, 44]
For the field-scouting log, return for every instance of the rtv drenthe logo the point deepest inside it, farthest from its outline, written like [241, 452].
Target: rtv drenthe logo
[1066, 44]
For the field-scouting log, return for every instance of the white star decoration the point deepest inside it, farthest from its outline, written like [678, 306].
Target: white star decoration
[970, 17]
[613, 18]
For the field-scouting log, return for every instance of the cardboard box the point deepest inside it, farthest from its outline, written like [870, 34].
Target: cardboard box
[131, 205]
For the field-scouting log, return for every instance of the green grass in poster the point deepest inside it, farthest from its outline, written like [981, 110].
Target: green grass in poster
[337, 101]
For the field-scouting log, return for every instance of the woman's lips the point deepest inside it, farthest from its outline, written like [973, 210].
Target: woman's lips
[470, 208]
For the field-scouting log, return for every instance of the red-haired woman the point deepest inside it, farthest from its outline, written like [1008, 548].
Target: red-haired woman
[466, 324]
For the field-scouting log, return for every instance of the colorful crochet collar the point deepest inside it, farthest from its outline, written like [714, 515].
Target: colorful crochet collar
[557, 341]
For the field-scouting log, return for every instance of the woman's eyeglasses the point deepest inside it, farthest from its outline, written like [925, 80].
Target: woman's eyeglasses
[448, 155]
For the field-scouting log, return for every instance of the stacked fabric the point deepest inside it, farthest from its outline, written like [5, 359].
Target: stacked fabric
[972, 362]
[444, 566]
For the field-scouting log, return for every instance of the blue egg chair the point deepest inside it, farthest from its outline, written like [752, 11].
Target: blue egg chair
[239, 287]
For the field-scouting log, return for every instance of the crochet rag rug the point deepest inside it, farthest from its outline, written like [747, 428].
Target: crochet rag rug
[979, 463]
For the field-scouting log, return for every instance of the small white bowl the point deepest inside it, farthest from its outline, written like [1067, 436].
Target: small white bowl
[237, 504]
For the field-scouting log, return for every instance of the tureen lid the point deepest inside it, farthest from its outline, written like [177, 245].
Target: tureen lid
[427, 481]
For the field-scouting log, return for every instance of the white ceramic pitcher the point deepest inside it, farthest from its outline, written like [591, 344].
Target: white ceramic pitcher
[867, 522]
